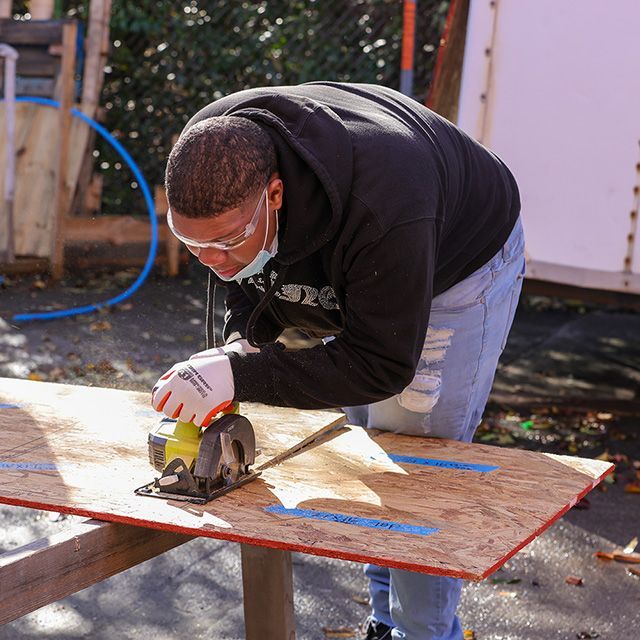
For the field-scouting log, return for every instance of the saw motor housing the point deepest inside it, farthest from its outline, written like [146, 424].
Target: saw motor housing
[198, 464]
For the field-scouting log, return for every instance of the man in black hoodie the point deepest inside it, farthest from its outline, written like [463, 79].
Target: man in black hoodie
[358, 216]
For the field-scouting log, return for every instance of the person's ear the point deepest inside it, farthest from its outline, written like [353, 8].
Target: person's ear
[275, 192]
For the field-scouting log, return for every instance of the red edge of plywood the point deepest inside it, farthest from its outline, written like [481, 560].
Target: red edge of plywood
[211, 532]
[232, 537]
[546, 525]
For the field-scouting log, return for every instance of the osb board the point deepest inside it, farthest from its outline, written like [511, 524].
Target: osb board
[436, 511]
[37, 139]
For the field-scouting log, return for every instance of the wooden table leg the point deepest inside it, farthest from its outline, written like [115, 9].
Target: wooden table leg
[267, 578]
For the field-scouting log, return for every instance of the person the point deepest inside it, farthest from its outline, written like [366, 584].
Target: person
[359, 216]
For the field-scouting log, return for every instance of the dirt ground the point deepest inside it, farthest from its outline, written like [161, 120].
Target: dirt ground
[583, 360]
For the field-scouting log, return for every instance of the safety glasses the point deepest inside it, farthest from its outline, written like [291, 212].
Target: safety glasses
[224, 244]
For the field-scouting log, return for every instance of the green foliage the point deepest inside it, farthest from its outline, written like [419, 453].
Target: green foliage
[168, 59]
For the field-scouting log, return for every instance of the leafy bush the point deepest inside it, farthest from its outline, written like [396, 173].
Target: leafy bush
[169, 59]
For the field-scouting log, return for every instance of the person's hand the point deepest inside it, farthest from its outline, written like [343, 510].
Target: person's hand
[238, 346]
[195, 390]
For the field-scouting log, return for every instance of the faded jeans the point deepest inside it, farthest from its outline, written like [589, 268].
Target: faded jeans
[468, 329]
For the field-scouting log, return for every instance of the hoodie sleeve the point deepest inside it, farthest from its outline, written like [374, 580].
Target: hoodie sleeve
[388, 297]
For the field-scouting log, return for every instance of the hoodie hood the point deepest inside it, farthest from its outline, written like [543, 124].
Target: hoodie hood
[307, 135]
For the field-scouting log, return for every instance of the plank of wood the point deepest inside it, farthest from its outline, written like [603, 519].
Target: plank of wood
[37, 137]
[116, 230]
[446, 507]
[97, 35]
[444, 93]
[52, 568]
[42, 87]
[63, 193]
[41, 9]
[267, 579]
[16, 32]
[37, 62]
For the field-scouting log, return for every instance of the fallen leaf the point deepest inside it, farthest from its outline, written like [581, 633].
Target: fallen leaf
[632, 571]
[506, 580]
[360, 600]
[631, 558]
[100, 325]
[469, 634]
[582, 504]
[35, 376]
[339, 632]
[632, 487]
[631, 547]
[574, 580]
[56, 373]
[507, 594]
[587, 635]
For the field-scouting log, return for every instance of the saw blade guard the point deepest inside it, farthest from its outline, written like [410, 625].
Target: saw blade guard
[227, 449]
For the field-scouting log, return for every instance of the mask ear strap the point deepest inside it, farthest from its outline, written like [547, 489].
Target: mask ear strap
[210, 337]
[266, 230]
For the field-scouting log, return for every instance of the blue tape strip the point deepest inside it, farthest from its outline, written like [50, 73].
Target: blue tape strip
[352, 520]
[443, 464]
[9, 406]
[29, 466]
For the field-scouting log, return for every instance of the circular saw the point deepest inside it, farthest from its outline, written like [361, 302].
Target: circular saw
[199, 464]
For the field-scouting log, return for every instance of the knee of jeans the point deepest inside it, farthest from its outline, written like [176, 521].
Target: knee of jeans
[423, 393]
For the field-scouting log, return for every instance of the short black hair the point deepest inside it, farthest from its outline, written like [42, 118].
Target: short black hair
[217, 164]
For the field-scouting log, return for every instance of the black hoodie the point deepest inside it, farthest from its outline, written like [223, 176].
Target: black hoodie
[386, 204]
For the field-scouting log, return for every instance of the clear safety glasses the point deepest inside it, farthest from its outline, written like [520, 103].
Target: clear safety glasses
[226, 244]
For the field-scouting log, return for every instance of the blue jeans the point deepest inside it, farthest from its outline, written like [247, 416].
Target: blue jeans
[468, 329]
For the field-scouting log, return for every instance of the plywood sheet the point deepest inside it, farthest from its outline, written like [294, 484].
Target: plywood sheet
[435, 506]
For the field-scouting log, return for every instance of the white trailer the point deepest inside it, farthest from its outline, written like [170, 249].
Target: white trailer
[553, 87]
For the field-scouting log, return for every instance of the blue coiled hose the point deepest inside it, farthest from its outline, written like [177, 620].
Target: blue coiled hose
[153, 247]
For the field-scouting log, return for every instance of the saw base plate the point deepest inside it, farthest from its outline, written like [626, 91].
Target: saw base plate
[149, 490]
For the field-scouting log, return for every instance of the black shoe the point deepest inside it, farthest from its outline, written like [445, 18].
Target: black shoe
[376, 630]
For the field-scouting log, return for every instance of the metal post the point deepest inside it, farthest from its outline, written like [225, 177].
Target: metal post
[408, 46]
[10, 56]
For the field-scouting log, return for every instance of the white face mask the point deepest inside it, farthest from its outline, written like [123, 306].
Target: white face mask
[263, 256]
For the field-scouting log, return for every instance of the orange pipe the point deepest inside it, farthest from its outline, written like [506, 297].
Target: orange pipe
[408, 34]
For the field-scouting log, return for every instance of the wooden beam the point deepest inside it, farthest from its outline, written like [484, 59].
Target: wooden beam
[97, 34]
[41, 9]
[117, 230]
[62, 197]
[37, 62]
[16, 32]
[5, 8]
[267, 578]
[52, 568]
[444, 93]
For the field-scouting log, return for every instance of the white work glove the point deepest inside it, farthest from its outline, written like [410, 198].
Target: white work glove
[238, 346]
[195, 390]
